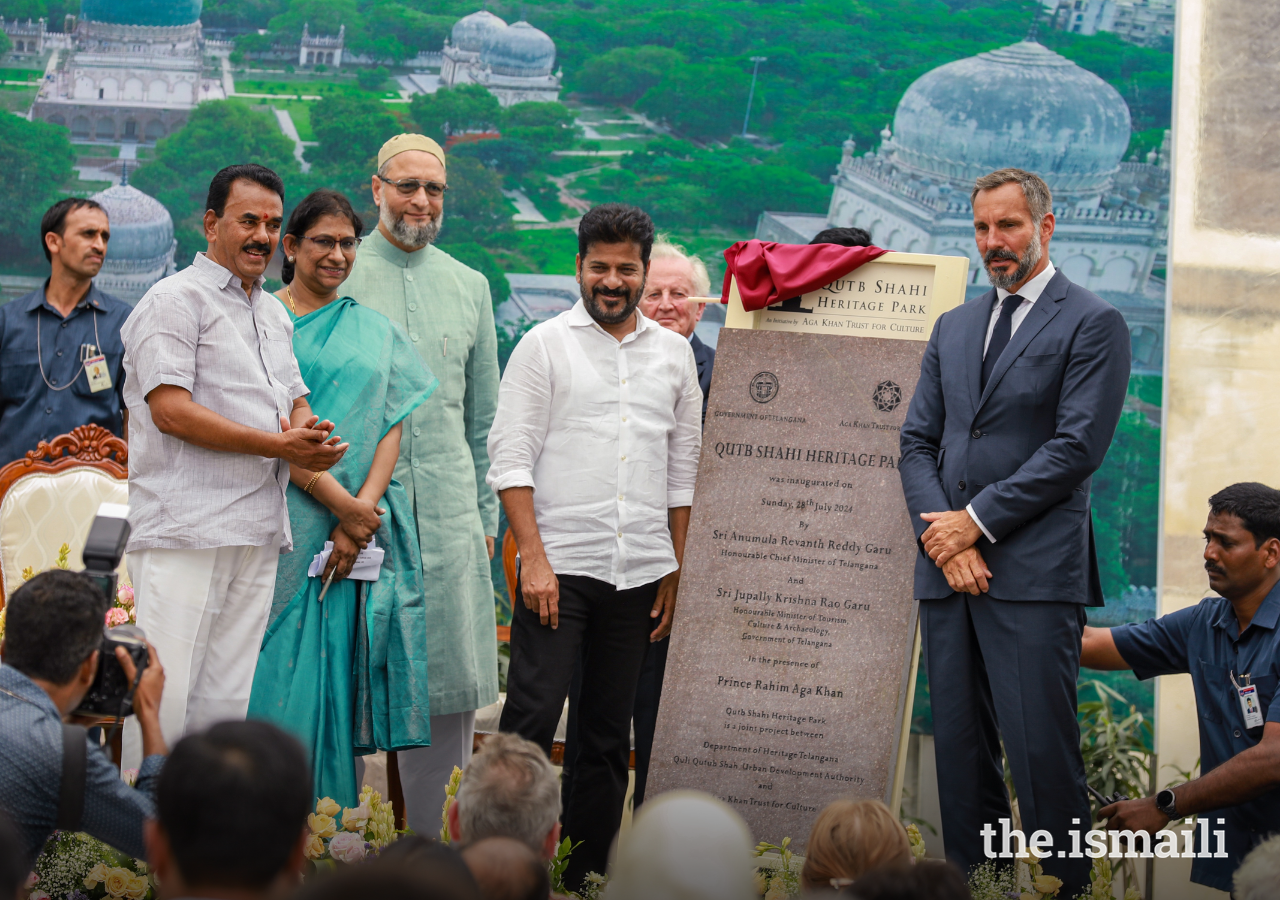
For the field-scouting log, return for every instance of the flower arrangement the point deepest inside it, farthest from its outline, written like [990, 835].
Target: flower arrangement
[450, 791]
[75, 866]
[1033, 884]
[122, 611]
[1025, 881]
[777, 881]
[350, 835]
[916, 840]
[593, 889]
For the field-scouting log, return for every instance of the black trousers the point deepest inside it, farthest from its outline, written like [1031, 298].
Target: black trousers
[1007, 669]
[644, 719]
[608, 629]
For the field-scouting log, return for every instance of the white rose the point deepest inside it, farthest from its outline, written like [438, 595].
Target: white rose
[347, 847]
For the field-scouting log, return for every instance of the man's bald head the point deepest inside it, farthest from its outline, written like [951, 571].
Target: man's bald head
[507, 869]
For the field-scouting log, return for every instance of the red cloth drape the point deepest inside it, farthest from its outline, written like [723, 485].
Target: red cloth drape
[769, 272]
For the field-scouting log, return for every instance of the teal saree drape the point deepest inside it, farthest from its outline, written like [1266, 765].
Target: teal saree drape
[348, 676]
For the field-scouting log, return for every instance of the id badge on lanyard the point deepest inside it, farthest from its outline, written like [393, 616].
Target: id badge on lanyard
[95, 368]
[1250, 705]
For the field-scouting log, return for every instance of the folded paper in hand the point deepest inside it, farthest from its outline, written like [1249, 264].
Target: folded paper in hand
[368, 562]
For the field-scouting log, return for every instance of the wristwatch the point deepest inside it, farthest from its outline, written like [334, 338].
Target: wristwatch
[1165, 802]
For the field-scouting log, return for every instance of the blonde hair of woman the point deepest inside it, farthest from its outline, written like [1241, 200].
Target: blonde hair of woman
[849, 839]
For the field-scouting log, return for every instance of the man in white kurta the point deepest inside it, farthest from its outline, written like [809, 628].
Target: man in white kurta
[447, 311]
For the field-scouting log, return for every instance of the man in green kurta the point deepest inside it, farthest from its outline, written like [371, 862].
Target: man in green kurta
[446, 309]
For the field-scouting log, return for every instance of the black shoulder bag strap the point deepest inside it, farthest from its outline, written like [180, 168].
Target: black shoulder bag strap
[71, 792]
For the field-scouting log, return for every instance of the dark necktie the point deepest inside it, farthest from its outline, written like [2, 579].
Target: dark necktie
[1000, 336]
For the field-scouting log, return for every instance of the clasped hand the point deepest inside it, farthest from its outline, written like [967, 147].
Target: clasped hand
[949, 540]
[311, 445]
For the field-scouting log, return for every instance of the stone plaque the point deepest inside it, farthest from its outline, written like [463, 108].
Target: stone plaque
[793, 643]
[880, 300]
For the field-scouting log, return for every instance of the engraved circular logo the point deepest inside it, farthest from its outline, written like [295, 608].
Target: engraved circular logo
[886, 396]
[764, 387]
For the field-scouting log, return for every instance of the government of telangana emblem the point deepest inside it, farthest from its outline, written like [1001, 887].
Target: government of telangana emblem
[764, 387]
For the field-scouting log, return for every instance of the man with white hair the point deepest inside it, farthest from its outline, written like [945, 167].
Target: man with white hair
[446, 309]
[674, 277]
[509, 790]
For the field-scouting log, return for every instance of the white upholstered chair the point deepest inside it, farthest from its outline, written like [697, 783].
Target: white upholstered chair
[49, 498]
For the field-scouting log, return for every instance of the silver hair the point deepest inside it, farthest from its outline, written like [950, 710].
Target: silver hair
[663, 248]
[1039, 197]
[1258, 875]
[509, 790]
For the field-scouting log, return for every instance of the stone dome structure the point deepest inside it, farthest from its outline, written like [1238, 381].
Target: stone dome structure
[470, 32]
[142, 12]
[1021, 105]
[142, 244]
[519, 50]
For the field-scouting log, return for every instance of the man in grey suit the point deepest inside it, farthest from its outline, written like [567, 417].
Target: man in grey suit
[1019, 395]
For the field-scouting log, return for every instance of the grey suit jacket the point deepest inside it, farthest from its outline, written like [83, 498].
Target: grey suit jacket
[1023, 451]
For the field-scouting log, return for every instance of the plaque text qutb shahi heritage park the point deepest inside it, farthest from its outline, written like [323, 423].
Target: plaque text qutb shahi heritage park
[793, 636]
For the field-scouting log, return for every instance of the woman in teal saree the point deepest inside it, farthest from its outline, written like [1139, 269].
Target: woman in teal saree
[346, 674]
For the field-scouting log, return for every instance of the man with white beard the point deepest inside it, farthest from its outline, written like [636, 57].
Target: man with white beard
[446, 309]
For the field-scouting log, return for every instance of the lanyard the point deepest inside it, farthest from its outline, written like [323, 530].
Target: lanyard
[40, 353]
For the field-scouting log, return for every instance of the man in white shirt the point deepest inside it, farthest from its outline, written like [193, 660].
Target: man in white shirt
[594, 453]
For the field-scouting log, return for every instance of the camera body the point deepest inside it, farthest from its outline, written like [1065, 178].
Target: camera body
[111, 692]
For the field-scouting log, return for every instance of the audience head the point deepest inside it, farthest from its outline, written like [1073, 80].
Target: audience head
[614, 244]
[506, 869]
[926, 880]
[53, 628]
[76, 231]
[509, 790]
[1259, 873]
[1012, 224]
[14, 865]
[1242, 539]
[850, 838]
[683, 845]
[845, 237]
[674, 276]
[242, 219]
[320, 241]
[408, 190]
[231, 808]
[392, 877]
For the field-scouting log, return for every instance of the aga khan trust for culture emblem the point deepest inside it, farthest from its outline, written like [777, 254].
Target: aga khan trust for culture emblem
[887, 396]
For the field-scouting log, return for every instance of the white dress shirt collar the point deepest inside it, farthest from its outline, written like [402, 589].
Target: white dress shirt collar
[578, 317]
[1032, 290]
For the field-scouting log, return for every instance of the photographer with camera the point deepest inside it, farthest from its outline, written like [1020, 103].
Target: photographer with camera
[51, 776]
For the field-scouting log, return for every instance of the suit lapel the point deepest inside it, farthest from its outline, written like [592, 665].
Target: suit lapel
[974, 337]
[1041, 312]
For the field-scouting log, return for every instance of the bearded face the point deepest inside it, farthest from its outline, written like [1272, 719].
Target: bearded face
[1029, 259]
[415, 236]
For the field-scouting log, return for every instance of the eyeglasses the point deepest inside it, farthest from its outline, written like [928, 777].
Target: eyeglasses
[326, 244]
[409, 186]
